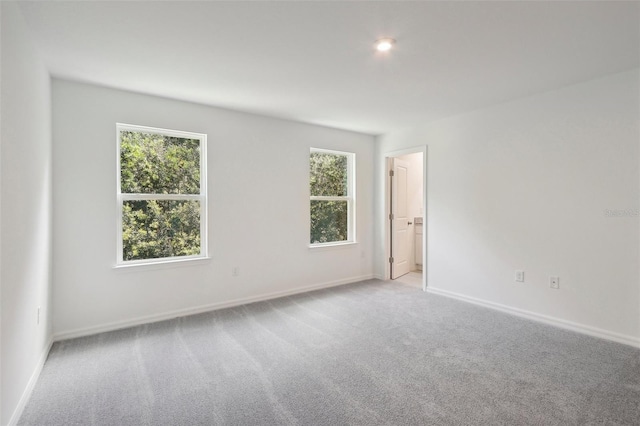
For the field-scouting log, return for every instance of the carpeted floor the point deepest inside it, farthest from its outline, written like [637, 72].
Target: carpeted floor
[413, 279]
[370, 353]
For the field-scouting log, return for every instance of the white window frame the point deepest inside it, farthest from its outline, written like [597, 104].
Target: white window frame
[350, 198]
[202, 197]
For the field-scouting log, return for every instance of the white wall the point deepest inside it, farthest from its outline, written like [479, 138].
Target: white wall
[25, 213]
[525, 185]
[258, 210]
[414, 198]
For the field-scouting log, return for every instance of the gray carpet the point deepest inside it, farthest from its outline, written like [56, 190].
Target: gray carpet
[370, 353]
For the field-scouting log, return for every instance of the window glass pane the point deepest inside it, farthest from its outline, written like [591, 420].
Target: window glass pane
[154, 229]
[328, 221]
[328, 174]
[157, 164]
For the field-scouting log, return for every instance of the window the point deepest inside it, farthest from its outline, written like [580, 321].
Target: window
[332, 201]
[162, 197]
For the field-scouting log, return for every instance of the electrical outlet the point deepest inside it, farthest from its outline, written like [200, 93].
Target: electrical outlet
[235, 271]
[520, 276]
[554, 283]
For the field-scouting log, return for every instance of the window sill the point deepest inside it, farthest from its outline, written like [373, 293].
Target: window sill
[163, 264]
[330, 246]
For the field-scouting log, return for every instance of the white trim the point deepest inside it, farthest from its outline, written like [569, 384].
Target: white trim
[117, 325]
[319, 246]
[172, 197]
[165, 262]
[204, 193]
[549, 320]
[31, 384]
[331, 151]
[159, 130]
[328, 198]
[351, 206]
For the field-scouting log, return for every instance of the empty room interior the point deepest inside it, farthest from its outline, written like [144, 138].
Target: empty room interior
[319, 213]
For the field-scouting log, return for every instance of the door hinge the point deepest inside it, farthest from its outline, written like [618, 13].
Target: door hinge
[391, 260]
[391, 173]
[390, 216]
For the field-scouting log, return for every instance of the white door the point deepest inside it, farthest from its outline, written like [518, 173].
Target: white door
[400, 220]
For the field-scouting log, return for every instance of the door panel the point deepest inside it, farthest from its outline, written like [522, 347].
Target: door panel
[400, 223]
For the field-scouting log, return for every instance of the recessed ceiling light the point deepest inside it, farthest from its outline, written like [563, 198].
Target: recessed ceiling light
[384, 44]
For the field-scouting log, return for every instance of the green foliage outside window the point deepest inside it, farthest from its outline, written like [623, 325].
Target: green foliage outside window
[328, 174]
[328, 177]
[158, 164]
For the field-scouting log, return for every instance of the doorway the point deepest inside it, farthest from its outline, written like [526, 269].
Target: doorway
[405, 197]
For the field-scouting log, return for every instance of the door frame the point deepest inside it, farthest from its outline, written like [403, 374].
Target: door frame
[388, 164]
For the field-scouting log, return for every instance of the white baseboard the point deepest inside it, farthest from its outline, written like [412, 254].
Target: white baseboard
[30, 385]
[557, 322]
[117, 325]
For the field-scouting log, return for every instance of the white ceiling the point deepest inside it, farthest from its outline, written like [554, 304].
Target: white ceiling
[315, 62]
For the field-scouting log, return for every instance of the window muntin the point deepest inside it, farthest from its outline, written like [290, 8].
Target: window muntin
[332, 197]
[161, 195]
